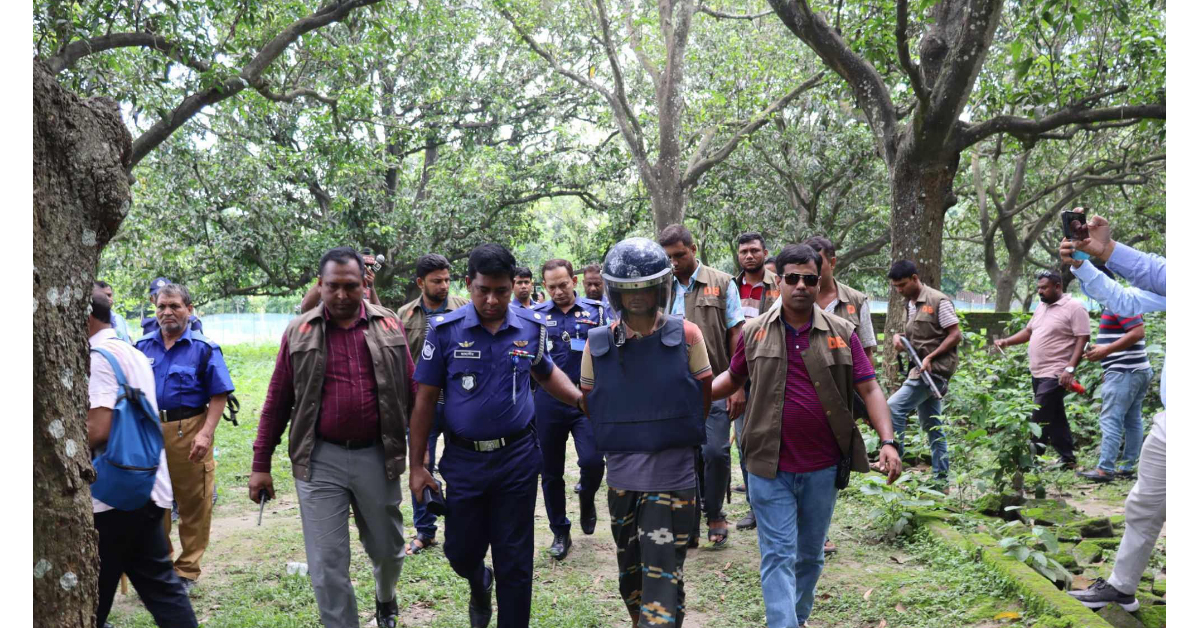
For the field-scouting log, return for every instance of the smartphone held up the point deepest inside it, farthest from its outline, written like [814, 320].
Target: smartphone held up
[1074, 225]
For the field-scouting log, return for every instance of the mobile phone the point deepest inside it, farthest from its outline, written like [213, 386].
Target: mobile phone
[433, 501]
[1074, 225]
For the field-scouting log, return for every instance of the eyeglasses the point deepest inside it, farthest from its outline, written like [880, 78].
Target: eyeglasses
[794, 278]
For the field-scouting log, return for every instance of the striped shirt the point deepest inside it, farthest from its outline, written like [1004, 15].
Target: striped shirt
[1112, 327]
[947, 317]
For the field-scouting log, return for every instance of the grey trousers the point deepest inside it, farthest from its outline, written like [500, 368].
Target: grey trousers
[341, 479]
[1145, 510]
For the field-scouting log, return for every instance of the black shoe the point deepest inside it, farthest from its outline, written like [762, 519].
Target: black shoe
[749, 522]
[693, 542]
[188, 585]
[740, 488]
[1101, 593]
[561, 546]
[385, 614]
[587, 514]
[578, 487]
[479, 609]
[1128, 474]
[1096, 475]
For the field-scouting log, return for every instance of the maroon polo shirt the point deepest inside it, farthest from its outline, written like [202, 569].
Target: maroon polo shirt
[349, 396]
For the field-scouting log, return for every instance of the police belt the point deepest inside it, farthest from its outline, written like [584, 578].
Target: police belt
[489, 445]
[179, 414]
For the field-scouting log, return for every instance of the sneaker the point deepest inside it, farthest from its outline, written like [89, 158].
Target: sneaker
[1101, 593]
[749, 522]
[1096, 475]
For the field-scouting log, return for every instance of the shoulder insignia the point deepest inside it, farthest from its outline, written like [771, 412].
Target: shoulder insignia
[440, 319]
[305, 328]
[466, 343]
[850, 309]
[427, 351]
[537, 316]
[520, 343]
[587, 314]
[760, 334]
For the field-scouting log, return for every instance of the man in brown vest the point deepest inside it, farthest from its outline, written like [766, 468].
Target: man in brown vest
[932, 328]
[709, 299]
[759, 290]
[433, 279]
[800, 438]
[343, 380]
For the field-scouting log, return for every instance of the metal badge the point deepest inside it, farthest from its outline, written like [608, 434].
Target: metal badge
[427, 351]
[468, 382]
[565, 336]
[578, 313]
[466, 343]
[520, 343]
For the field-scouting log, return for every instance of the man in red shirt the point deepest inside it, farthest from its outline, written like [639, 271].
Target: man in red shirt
[800, 438]
[343, 380]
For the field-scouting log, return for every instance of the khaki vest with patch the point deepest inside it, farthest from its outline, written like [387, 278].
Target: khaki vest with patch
[926, 334]
[704, 306]
[830, 365]
[416, 322]
[850, 303]
[388, 346]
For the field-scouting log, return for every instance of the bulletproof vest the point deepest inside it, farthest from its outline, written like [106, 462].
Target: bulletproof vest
[926, 333]
[645, 398]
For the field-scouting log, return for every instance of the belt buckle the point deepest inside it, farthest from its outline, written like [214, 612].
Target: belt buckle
[487, 445]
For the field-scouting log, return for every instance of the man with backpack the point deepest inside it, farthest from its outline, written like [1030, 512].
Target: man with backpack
[131, 536]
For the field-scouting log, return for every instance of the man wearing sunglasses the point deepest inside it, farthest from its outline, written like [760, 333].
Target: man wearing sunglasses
[708, 298]
[800, 438]
[933, 330]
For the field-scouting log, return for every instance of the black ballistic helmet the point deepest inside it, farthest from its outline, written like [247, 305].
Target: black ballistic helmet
[636, 264]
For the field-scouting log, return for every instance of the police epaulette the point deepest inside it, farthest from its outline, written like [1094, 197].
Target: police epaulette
[529, 315]
[447, 317]
[205, 339]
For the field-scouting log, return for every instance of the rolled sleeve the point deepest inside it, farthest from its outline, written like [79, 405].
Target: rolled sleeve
[733, 306]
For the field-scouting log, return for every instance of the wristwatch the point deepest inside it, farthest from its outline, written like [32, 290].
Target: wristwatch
[888, 441]
[1070, 369]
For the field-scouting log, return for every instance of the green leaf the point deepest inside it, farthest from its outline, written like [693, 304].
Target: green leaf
[1021, 69]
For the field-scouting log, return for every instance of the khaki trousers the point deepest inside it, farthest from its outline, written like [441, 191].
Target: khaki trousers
[192, 484]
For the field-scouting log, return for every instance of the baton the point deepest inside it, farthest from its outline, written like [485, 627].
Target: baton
[916, 360]
[262, 503]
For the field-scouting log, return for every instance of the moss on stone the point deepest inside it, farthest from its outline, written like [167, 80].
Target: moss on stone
[1096, 527]
[1160, 586]
[1087, 552]
[1152, 616]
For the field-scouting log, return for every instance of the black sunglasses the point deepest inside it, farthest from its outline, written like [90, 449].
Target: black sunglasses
[794, 278]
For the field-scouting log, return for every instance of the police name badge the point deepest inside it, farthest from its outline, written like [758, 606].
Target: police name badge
[466, 354]
[427, 351]
[551, 322]
[468, 382]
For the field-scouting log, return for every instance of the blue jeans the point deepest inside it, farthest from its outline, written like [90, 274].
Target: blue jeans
[424, 521]
[717, 460]
[1121, 414]
[793, 512]
[914, 394]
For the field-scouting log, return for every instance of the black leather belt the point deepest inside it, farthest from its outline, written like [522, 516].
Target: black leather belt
[489, 445]
[351, 444]
[179, 414]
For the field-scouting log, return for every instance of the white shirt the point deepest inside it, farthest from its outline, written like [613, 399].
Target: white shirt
[103, 391]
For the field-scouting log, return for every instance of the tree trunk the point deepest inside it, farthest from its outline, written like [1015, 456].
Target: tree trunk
[668, 200]
[921, 194]
[1006, 286]
[80, 196]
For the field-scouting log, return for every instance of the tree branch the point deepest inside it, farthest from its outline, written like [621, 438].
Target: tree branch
[906, 62]
[635, 42]
[730, 16]
[73, 52]
[1026, 128]
[697, 169]
[870, 92]
[250, 76]
[956, 78]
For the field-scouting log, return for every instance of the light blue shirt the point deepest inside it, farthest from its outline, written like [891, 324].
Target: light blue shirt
[733, 300]
[1129, 301]
[1144, 270]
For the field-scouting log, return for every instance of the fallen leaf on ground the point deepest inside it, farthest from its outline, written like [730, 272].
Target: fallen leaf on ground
[900, 608]
[882, 624]
[899, 559]
[867, 595]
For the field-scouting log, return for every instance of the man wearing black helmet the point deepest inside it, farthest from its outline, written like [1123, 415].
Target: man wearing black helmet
[648, 382]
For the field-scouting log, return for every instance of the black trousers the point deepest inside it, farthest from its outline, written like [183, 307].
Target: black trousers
[1052, 416]
[133, 542]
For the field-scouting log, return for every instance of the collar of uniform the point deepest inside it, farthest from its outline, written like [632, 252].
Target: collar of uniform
[922, 297]
[842, 295]
[471, 318]
[818, 320]
[428, 312]
[157, 336]
[362, 313]
[575, 305]
[107, 333]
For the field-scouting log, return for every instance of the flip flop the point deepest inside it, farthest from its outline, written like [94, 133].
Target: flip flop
[722, 535]
[426, 542]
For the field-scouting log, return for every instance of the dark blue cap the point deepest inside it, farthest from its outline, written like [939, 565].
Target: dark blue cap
[158, 283]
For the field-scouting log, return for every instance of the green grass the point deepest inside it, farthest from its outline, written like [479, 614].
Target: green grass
[244, 583]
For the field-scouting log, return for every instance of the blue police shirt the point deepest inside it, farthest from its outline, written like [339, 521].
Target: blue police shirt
[484, 377]
[567, 332]
[180, 378]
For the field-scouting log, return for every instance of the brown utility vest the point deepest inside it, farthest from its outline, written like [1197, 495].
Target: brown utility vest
[926, 334]
[416, 322]
[770, 293]
[704, 306]
[850, 304]
[830, 364]
[388, 346]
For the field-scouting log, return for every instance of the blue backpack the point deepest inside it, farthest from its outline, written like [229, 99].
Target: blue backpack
[126, 468]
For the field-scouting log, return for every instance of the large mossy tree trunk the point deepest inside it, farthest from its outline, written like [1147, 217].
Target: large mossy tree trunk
[81, 150]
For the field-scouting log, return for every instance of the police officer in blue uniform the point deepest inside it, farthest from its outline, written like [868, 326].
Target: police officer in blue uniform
[193, 384]
[593, 287]
[568, 319]
[483, 356]
[150, 323]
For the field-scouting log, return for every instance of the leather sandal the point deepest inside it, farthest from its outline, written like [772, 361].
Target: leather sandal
[420, 544]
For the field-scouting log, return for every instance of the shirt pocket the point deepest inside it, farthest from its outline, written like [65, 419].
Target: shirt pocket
[465, 378]
[181, 380]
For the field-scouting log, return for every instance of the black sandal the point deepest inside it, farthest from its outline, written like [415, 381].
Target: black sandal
[722, 535]
[426, 542]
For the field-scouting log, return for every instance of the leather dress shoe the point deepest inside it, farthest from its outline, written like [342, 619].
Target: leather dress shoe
[385, 613]
[587, 514]
[561, 546]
